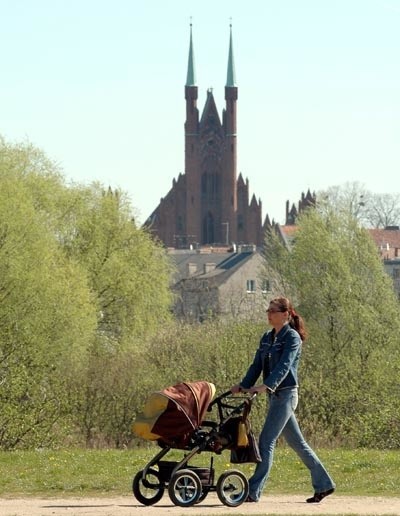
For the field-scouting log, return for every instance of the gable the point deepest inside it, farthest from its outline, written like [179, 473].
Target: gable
[210, 121]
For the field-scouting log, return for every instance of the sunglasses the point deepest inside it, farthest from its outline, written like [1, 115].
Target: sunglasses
[274, 310]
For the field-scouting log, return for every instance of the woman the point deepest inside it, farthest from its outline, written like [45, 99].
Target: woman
[277, 358]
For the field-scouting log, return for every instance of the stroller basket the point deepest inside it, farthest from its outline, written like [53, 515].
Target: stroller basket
[166, 468]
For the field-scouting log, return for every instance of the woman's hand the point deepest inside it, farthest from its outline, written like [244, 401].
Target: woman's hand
[235, 388]
[258, 389]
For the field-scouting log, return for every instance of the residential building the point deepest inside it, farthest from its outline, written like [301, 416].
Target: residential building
[219, 281]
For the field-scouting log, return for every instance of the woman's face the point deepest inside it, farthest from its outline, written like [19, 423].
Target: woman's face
[276, 315]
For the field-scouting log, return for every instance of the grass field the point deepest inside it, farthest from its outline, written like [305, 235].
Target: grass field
[110, 472]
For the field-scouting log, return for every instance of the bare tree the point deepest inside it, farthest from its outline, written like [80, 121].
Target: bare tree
[383, 210]
[370, 209]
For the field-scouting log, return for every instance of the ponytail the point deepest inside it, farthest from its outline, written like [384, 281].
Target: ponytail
[297, 323]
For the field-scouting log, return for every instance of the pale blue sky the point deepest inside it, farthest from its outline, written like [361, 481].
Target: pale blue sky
[99, 86]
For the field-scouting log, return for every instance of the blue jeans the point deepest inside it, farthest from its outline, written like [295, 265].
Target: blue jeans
[281, 420]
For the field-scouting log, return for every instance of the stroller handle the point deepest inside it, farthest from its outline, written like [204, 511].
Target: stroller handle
[229, 393]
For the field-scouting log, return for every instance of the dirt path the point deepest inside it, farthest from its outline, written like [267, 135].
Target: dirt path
[128, 506]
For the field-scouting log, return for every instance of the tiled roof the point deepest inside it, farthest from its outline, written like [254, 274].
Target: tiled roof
[217, 262]
[182, 259]
[387, 241]
[289, 230]
[382, 237]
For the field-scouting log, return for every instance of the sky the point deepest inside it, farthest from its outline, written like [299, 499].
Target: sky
[99, 86]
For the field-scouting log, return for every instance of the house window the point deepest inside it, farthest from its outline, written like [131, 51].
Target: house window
[265, 286]
[251, 286]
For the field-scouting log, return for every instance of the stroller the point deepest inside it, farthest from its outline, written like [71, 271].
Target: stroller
[174, 418]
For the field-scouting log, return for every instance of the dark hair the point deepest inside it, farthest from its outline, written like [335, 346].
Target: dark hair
[295, 320]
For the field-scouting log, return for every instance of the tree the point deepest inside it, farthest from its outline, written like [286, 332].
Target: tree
[276, 265]
[128, 273]
[46, 316]
[348, 302]
[382, 210]
[348, 199]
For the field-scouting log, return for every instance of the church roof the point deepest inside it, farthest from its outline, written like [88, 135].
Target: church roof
[210, 109]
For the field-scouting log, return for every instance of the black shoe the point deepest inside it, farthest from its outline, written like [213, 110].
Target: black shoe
[319, 496]
[249, 499]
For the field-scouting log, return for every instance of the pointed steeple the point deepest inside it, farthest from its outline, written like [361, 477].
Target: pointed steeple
[231, 75]
[191, 73]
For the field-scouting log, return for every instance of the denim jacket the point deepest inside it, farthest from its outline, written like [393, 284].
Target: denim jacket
[277, 358]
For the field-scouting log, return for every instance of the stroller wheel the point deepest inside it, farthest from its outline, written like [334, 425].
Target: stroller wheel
[184, 488]
[149, 489]
[232, 488]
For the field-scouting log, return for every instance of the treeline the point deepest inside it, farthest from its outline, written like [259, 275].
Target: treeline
[86, 332]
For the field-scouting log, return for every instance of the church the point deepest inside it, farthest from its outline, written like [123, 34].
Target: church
[209, 204]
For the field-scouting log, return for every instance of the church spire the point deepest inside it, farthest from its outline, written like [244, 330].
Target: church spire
[191, 74]
[231, 75]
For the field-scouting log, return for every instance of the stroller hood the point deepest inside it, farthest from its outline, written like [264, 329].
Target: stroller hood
[173, 413]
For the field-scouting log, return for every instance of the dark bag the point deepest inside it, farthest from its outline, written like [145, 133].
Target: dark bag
[249, 453]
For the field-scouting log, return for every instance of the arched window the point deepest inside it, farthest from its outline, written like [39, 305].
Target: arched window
[210, 186]
[179, 223]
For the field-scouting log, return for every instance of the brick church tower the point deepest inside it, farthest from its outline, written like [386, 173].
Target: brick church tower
[209, 204]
